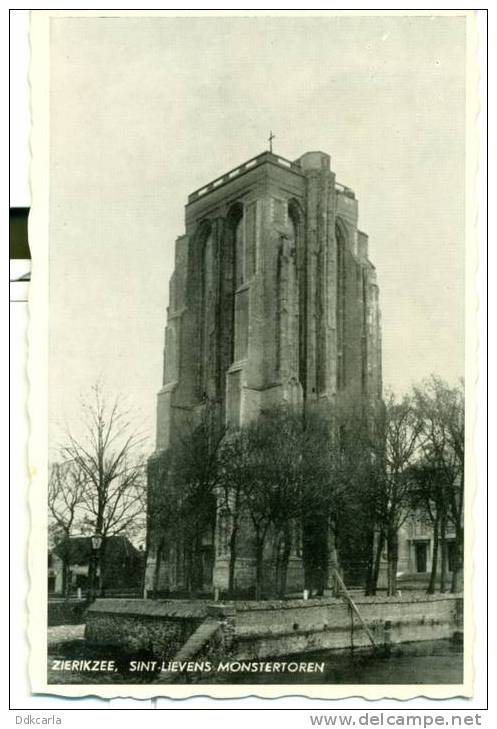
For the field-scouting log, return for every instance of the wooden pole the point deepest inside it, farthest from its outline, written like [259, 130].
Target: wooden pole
[354, 607]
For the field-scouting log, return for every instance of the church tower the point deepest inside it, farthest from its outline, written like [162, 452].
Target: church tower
[273, 299]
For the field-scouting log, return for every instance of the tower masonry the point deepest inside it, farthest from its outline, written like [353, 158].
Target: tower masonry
[273, 299]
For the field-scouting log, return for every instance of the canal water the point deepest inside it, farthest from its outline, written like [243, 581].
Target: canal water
[429, 662]
[436, 662]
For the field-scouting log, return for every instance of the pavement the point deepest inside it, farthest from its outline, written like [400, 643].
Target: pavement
[63, 633]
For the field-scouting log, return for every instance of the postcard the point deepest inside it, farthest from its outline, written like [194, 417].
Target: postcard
[252, 353]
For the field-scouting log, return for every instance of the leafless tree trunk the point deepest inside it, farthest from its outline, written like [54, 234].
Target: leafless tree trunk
[283, 550]
[458, 568]
[260, 542]
[443, 553]
[434, 562]
[333, 560]
[377, 564]
[375, 573]
[233, 556]
[158, 563]
[100, 558]
[393, 558]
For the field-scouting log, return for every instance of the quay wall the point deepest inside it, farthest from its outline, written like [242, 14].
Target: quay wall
[159, 627]
[269, 629]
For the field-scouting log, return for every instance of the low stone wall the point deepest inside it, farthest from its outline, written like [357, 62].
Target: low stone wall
[268, 629]
[160, 627]
[66, 612]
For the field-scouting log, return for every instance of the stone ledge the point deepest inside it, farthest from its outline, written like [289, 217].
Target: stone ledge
[150, 608]
[245, 605]
[221, 610]
[202, 608]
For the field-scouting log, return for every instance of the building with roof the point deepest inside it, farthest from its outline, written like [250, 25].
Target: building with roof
[119, 567]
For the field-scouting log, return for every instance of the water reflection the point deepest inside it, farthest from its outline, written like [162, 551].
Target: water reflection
[429, 662]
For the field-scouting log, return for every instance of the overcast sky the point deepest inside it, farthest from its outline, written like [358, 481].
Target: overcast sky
[145, 110]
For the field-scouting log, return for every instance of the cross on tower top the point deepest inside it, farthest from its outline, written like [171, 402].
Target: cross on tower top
[270, 140]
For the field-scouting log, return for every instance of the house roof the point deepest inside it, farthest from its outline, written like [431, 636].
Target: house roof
[78, 550]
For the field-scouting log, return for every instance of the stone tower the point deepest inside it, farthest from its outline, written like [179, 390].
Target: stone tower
[273, 299]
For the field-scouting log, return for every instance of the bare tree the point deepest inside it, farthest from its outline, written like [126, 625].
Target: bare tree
[66, 488]
[283, 471]
[182, 501]
[293, 473]
[232, 489]
[194, 468]
[394, 444]
[325, 477]
[260, 477]
[440, 409]
[108, 455]
[280, 432]
[163, 510]
[341, 529]
[245, 462]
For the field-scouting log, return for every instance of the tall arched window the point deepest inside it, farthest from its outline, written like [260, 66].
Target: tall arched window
[287, 303]
[295, 218]
[340, 305]
[364, 336]
[240, 263]
[234, 313]
[236, 225]
[207, 307]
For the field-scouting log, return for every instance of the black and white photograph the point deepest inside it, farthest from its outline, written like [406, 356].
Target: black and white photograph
[251, 353]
